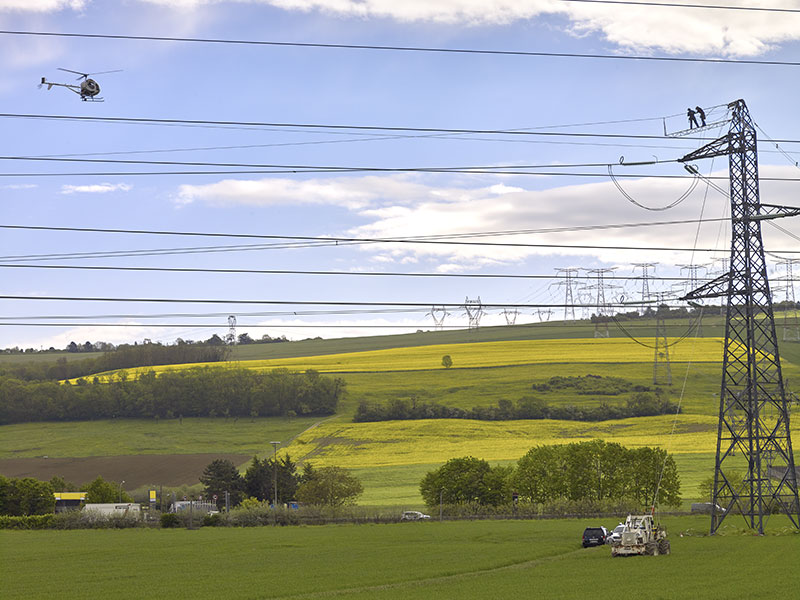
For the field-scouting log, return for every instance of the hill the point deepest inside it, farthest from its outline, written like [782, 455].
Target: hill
[391, 457]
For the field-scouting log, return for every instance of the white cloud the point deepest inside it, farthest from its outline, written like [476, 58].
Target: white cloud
[404, 206]
[19, 186]
[99, 188]
[643, 28]
[349, 192]
[40, 6]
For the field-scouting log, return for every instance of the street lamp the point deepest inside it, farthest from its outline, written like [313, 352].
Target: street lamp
[120, 490]
[275, 474]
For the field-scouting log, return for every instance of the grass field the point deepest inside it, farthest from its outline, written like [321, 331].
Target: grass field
[451, 560]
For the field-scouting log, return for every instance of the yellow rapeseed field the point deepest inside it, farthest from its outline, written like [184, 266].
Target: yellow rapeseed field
[483, 354]
[394, 443]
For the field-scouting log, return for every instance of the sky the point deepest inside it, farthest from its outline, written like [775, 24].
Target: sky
[295, 85]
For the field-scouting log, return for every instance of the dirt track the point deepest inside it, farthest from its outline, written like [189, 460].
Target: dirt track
[136, 471]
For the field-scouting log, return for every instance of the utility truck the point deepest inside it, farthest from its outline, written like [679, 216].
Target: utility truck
[641, 535]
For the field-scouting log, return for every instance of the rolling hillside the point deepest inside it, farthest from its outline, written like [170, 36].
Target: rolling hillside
[391, 457]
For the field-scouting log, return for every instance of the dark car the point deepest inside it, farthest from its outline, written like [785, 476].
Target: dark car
[594, 536]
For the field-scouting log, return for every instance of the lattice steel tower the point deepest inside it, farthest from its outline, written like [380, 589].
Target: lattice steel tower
[569, 299]
[753, 412]
[230, 339]
[662, 371]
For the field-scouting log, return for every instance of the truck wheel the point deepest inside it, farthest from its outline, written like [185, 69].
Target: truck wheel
[651, 549]
[663, 546]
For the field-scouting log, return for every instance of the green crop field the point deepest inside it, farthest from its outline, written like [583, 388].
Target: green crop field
[451, 560]
[146, 436]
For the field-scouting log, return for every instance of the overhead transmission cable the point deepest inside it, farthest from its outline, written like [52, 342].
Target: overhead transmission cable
[336, 273]
[255, 247]
[567, 229]
[440, 50]
[423, 305]
[345, 127]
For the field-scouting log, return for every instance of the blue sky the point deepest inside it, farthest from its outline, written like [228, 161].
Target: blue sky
[329, 86]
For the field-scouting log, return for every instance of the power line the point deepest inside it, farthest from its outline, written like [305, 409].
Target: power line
[476, 51]
[346, 273]
[340, 127]
[573, 228]
[241, 248]
[424, 305]
[316, 167]
[680, 5]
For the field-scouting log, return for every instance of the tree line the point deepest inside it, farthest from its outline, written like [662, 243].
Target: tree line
[595, 472]
[125, 356]
[197, 392]
[640, 404]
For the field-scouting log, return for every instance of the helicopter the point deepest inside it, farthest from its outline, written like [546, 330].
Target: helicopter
[87, 89]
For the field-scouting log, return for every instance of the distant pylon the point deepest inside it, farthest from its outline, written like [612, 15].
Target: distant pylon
[474, 311]
[603, 310]
[569, 299]
[691, 284]
[230, 339]
[791, 322]
[544, 314]
[646, 277]
[662, 371]
[510, 315]
[438, 314]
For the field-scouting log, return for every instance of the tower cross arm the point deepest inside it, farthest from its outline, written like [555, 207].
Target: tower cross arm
[773, 211]
[716, 288]
[719, 147]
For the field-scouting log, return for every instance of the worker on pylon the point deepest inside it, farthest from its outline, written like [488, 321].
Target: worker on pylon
[692, 119]
[702, 114]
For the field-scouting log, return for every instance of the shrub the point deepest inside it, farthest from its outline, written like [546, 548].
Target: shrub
[212, 520]
[169, 520]
[26, 522]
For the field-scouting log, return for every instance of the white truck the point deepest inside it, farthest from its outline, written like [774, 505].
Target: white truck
[641, 536]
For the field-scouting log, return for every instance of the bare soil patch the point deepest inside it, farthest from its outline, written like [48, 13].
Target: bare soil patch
[136, 471]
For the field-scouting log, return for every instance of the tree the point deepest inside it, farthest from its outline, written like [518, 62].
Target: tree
[260, 474]
[597, 471]
[244, 338]
[59, 484]
[330, 486]
[221, 476]
[101, 491]
[26, 496]
[214, 340]
[447, 361]
[466, 480]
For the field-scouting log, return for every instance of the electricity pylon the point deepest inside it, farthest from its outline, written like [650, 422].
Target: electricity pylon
[603, 310]
[230, 339]
[753, 412]
[438, 315]
[474, 311]
[662, 371]
[510, 315]
[569, 299]
[646, 277]
[791, 322]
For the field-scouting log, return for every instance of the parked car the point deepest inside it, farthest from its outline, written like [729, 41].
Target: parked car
[616, 534]
[414, 515]
[594, 536]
